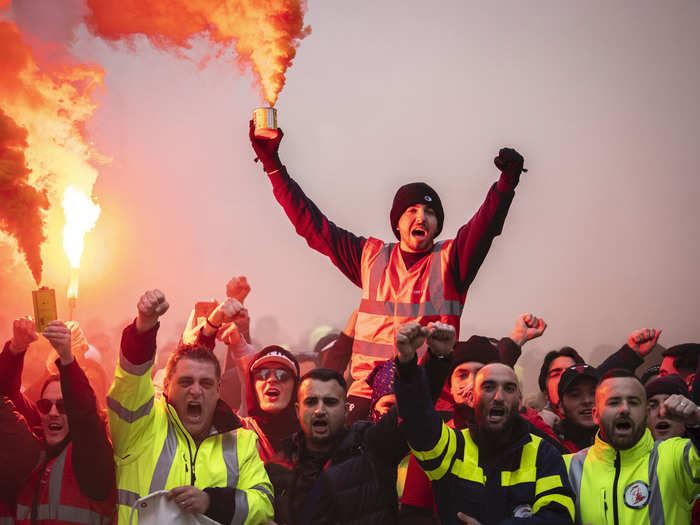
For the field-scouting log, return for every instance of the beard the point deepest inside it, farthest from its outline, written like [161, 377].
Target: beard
[625, 441]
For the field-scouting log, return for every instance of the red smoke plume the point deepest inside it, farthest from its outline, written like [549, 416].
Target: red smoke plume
[21, 205]
[42, 147]
[265, 32]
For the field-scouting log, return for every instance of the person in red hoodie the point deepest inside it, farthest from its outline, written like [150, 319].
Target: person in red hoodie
[76, 480]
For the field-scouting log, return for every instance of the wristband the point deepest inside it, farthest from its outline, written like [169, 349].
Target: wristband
[273, 171]
[212, 324]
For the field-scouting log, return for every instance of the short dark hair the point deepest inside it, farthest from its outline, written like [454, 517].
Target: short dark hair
[325, 374]
[566, 351]
[195, 352]
[620, 372]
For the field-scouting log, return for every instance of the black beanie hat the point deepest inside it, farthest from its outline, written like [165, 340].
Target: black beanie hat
[415, 193]
[670, 384]
[477, 348]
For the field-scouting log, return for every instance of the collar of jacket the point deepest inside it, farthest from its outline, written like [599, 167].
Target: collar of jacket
[294, 446]
[519, 435]
[580, 436]
[605, 452]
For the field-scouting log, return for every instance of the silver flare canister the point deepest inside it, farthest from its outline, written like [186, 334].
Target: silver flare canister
[265, 120]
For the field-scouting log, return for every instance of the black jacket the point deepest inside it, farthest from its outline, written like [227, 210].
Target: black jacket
[354, 483]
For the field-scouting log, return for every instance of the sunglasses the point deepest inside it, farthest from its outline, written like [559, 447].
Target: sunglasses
[263, 374]
[44, 406]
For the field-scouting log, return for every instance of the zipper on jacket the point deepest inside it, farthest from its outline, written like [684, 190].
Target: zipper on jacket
[614, 494]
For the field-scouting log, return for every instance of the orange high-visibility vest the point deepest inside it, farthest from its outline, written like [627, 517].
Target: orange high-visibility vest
[59, 499]
[393, 295]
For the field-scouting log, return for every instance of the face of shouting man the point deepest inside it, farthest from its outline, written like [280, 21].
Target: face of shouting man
[620, 411]
[321, 409]
[496, 397]
[274, 386]
[54, 421]
[193, 391]
[417, 228]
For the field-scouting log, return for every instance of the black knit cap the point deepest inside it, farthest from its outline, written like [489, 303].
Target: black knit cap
[477, 348]
[415, 193]
[670, 384]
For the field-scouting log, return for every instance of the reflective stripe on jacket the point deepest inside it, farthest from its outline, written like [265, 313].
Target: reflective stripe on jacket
[652, 483]
[393, 295]
[537, 486]
[154, 451]
[54, 491]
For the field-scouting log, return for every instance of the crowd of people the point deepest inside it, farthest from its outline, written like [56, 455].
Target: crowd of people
[392, 420]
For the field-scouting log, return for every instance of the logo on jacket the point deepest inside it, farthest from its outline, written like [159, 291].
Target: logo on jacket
[522, 511]
[636, 495]
[427, 198]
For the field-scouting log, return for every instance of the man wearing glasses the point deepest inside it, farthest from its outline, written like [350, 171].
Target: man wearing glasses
[75, 483]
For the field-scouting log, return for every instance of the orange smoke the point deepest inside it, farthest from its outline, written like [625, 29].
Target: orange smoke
[51, 106]
[21, 205]
[265, 33]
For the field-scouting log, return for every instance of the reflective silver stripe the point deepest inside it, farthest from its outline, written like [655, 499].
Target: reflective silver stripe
[23, 512]
[241, 510]
[372, 349]
[411, 309]
[264, 491]
[135, 370]
[378, 266]
[55, 484]
[129, 415]
[126, 497]
[165, 460]
[70, 514]
[686, 461]
[656, 504]
[575, 477]
[229, 448]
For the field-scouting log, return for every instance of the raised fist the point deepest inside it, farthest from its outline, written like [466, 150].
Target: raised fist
[23, 334]
[150, 307]
[266, 149]
[680, 408]
[441, 338]
[409, 338]
[642, 341]
[509, 162]
[238, 288]
[527, 327]
[225, 312]
[58, 335]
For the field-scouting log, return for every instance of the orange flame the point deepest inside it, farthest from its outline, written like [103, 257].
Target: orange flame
[266, 32]
[51, 105]
[81, 216]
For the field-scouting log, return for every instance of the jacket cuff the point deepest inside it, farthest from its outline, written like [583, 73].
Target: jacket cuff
[208, 341]
[506, 183]
[222, 504]
[279, 177]
[408, 372]
[137, 347]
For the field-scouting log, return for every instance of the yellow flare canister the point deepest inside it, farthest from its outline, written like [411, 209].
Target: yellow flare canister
[265, 120]
[44, 307]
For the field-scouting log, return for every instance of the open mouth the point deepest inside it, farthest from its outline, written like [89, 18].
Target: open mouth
[663, 425]
[586, 412]
[623, 427]
[272, 394]
[194, 410]
[55, 427]
[496, 414]
[320, 426]
[419, 233]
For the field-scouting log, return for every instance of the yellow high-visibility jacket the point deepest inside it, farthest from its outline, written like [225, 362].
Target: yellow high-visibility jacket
[652, 483]
[154, 451]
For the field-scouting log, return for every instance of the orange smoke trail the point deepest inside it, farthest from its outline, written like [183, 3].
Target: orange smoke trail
[52, 107]
[265, 33]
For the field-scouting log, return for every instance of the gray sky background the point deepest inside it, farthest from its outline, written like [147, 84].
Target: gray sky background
[601, 99]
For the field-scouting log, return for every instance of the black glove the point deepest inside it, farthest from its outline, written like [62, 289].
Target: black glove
[266, 149]
[510, 162]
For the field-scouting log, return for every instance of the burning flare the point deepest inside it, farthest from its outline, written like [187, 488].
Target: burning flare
[81, 216]
[265, 33]
[43, 149]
